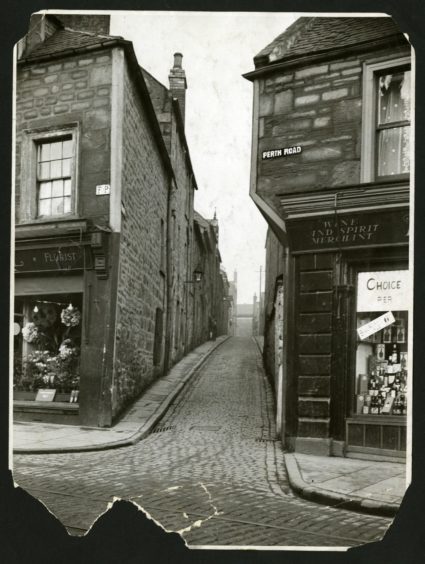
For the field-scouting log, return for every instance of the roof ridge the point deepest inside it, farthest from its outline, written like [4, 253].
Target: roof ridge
[90, 33]
[154, 78]
[325, 33]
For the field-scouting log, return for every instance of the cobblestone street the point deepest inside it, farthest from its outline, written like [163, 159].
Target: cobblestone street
[211, 469]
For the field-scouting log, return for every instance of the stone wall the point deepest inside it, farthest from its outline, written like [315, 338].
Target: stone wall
[72, 90]
[274, 271]
[182, 296]
[201, 291]
[141, 286]
[318, 108]
[182, 241]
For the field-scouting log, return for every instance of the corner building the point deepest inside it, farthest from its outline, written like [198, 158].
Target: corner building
[330, 173]
[104, 228]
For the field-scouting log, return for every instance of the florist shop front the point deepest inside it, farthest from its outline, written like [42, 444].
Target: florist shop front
[47, 345]
[61, 329]
[47, 331]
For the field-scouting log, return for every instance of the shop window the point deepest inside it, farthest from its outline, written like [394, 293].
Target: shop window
[54, 166]
[47, 341]
[382, 345]
[386, 120]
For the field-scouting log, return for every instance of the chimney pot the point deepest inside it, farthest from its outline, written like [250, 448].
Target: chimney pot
[178, 60]
[178, 84]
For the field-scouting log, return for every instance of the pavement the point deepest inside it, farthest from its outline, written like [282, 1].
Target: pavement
[134, 425]
[371, 486]
[214, 414]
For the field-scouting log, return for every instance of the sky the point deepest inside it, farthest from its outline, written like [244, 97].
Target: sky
[217, 49]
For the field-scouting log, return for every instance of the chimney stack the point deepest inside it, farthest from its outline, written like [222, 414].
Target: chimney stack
[178, 84]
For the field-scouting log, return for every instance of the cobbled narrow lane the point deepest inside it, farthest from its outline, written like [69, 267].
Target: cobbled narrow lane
[211, 469]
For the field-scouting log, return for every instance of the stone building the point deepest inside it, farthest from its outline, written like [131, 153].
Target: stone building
[104, 223]
[233, 294]
[244, 321]
[169, 104]
[258, 315]
[210, 292]
[223, 304]
[330, 173]
[226, 327]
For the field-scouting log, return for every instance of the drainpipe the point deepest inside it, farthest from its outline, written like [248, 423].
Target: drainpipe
[169, 279]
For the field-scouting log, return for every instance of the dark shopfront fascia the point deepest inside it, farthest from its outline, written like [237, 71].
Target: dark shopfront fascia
[343, 388]
[57, 281]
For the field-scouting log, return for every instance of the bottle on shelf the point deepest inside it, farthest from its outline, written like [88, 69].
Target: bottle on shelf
[374, 405]
[397, 383]
[397, 406]
[401, 333]
[394, 354]
[386, 337]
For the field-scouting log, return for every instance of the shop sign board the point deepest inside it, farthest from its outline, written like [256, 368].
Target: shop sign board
[375, 325]
[349, 230]
[52, 258]
[383, 291]
[45, 395]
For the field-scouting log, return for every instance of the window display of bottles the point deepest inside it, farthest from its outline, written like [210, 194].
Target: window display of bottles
[382, 388]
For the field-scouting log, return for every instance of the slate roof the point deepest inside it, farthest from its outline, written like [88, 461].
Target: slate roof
[201, 220]
[309, 35]
[67, 39]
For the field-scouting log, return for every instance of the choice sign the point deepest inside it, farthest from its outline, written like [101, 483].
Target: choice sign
[388, 290]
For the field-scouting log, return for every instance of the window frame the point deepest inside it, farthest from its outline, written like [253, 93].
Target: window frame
[29, 186]
[369, 148]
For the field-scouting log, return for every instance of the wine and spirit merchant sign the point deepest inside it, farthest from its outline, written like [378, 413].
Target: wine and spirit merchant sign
[349, 230]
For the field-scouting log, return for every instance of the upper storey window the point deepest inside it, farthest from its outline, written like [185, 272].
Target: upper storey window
[48, 177]
[393, 123]
[386, 120]
[54, 170]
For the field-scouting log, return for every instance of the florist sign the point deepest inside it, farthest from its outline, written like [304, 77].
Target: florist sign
[52, 258]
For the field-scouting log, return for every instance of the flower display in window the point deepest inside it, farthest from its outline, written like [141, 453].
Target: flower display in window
[30, 333]
[71, 316]
[52, 360]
